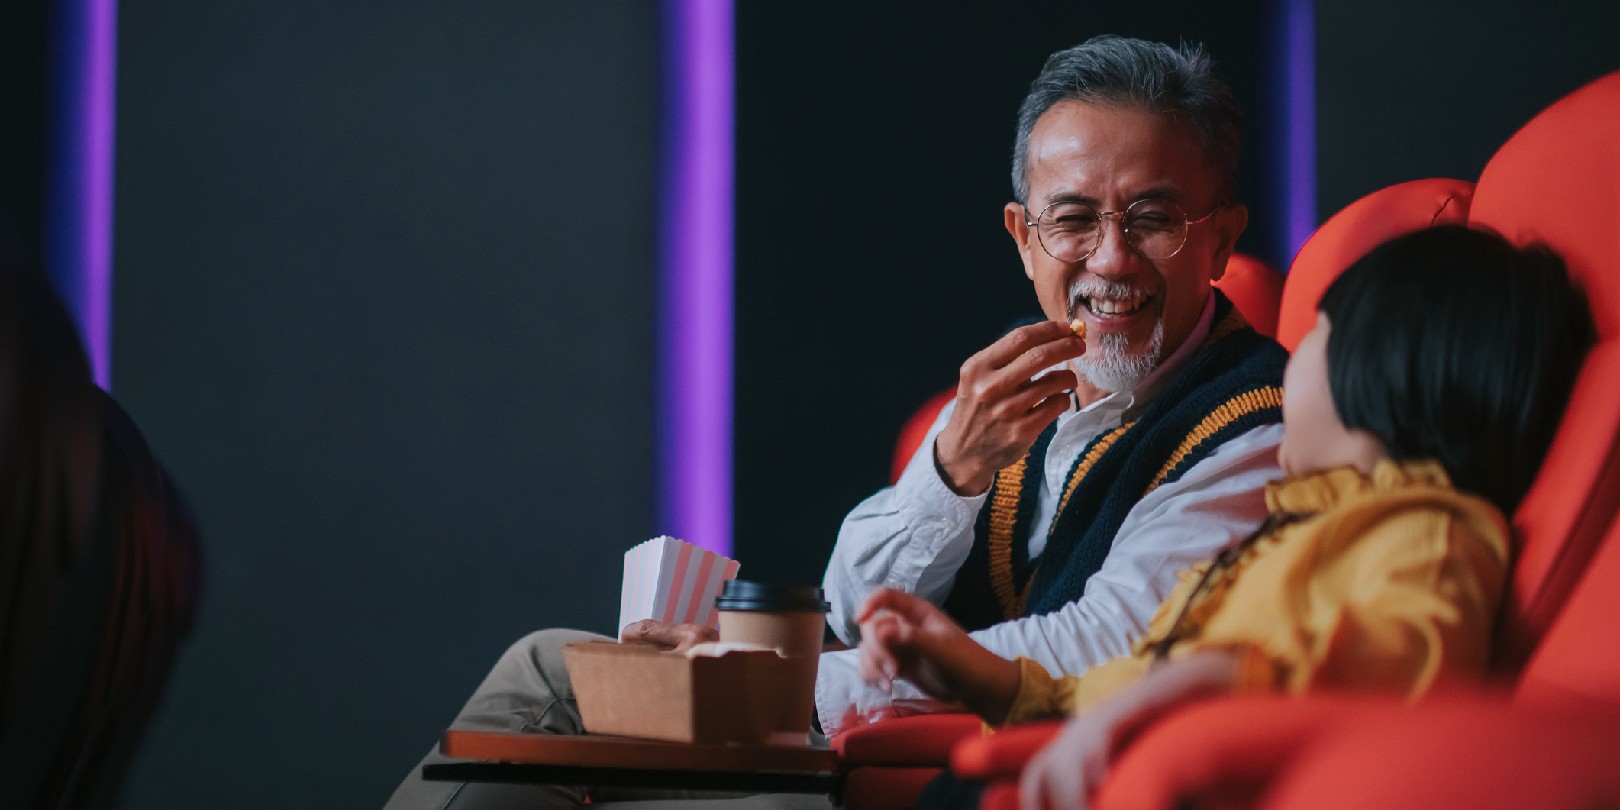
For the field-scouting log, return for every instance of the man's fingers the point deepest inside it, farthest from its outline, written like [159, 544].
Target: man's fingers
[992, 385]
[1044, 356]
[689, 635]
[1034, 392]
[1020, 341]
[637, 632]
[1043, 414]
[1030, 415]
[673, 636]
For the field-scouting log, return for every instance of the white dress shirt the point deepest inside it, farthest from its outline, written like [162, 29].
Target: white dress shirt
[915, 535]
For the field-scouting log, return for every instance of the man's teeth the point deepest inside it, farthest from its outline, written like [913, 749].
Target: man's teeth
[1115, 306]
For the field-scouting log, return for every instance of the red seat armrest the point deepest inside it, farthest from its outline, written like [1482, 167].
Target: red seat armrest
[1221, 753]
[1002, 755]
[923, 740]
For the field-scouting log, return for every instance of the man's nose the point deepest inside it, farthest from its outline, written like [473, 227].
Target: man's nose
[1114, 256]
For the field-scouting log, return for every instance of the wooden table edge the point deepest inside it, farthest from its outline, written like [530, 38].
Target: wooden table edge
[624, 752]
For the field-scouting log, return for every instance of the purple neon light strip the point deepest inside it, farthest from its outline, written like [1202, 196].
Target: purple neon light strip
[79, 219]
[100, 133]
[695, 257]
[1300, 45]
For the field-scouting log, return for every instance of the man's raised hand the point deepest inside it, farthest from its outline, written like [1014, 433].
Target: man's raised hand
[1001, 408]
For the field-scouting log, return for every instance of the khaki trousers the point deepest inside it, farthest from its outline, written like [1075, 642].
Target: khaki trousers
[528, 691]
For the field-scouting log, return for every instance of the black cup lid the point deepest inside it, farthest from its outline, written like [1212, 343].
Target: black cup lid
[747, 595]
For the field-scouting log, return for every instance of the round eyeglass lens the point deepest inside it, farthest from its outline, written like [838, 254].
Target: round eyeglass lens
[1068, 230]
[1156, 228]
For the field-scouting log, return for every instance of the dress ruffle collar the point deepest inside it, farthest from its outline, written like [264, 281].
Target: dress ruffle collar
[1317, 491]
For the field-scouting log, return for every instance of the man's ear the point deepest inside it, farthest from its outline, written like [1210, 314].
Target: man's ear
[1012, 216]
[1229, 225]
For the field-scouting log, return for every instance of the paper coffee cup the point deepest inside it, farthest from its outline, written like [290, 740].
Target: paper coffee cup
[789, 618]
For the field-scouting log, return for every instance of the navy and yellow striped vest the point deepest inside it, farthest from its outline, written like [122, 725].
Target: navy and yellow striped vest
[1231, 384]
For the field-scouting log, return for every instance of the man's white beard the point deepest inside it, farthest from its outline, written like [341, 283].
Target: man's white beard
[1110, 365]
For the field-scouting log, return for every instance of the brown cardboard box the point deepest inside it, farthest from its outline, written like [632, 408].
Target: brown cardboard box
[633, 690]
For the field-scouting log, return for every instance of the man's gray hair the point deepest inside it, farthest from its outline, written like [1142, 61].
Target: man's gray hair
[1136, 73]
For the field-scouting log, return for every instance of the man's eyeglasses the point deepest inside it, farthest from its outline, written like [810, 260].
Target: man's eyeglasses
[1071, 231]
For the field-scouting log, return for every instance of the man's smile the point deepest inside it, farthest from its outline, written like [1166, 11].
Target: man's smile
[1111, 304]
[1115, 306]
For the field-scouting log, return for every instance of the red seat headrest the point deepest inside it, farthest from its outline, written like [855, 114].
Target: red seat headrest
[1255, 289]
[1360, 227]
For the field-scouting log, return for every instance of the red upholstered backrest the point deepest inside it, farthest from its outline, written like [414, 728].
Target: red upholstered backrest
[1255, 289]
[1349, 234]
[1557, 181]
[914, 430]
[1578, 662]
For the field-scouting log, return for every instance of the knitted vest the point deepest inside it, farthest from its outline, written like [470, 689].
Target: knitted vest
[1230, 385]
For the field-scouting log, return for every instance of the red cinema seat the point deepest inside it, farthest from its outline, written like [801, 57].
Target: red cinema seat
[1557, 181]
[1255, 288]
[915, 430]
[1349, 234]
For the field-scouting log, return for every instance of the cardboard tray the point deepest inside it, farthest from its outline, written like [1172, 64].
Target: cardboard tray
[633, 690]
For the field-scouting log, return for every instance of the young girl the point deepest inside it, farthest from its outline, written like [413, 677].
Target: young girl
[1417, 413]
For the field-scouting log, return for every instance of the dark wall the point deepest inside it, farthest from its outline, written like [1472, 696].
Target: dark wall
[383, 287]
[1410, 90]
[873, 151]
[23, 54]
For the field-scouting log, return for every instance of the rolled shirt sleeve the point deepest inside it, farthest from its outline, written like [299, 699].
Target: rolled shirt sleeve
[912, 536]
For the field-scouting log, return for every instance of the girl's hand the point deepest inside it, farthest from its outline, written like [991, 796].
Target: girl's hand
[1064, 774]
[906, 637]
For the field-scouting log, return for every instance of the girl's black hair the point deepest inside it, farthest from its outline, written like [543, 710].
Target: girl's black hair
[1452, 344]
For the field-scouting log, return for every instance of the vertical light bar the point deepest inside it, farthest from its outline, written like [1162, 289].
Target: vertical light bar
[1296, 99]
[695, 287]
[79, 183]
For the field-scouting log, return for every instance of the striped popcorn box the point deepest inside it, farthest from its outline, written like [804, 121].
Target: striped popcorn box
[672, 581]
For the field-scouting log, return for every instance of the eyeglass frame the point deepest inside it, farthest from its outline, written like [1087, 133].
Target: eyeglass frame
[1124, 232]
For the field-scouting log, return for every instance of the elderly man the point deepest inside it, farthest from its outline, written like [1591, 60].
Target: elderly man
[1071, 477]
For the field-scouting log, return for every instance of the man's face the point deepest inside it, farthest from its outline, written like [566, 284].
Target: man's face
[1137, 311]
